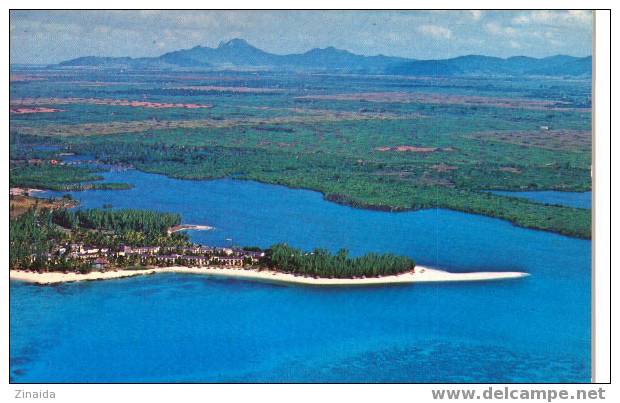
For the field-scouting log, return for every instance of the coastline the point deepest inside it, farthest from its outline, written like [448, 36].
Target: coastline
[348, 202]
[24, 191]
[187, 227]
[420, 275]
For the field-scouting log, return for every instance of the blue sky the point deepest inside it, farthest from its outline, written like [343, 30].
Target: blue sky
[53, 36]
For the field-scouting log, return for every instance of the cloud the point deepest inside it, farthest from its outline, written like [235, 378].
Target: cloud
[436, 31]
[475, 14]
[53, 36]
[521, 19]
[497, 29]
[581, 15]
[101, 29]
[557, 18]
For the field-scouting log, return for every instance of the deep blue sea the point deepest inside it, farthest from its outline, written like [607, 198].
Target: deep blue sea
[188, 328]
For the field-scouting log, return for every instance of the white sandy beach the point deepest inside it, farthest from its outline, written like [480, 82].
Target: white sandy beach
[187, 227]
[420, 275]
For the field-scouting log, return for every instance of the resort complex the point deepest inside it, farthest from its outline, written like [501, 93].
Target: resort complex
[105, 258]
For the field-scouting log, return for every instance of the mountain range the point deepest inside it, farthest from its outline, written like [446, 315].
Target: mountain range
[239, 54]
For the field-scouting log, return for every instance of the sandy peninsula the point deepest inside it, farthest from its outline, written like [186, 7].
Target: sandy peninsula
[419, 275]
[186, 227]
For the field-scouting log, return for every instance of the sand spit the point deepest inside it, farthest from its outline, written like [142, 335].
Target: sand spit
[187, 227]
[419, 275]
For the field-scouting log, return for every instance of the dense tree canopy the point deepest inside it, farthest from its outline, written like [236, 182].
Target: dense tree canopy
[321, 263]
[31, 236]
[117, 220]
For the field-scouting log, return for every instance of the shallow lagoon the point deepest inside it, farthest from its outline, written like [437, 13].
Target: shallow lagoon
[196, 329]
[570, 199]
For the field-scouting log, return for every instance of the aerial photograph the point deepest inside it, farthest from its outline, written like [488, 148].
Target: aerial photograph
[283, 196]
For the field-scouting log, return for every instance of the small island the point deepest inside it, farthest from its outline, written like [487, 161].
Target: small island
[60, 245]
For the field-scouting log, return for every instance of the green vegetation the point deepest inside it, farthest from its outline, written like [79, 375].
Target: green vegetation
[391, 183]
[321, 263]
[147, 221]
[37, 235]
[43, 175]
[42, 240]
[98, 186]
[31, 236]
[127, 226]
[47, 176]
[450, 153]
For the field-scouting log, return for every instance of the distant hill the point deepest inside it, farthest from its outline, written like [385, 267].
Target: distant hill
[485, 65]
[571, 67]
[116, 62]
[239, 54]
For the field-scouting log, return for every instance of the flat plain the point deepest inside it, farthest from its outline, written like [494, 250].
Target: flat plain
[380, 142]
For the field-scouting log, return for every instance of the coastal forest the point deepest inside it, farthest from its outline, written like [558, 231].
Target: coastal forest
[37, 237]
[43, 240]
[322, 263]
[388, 143]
